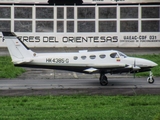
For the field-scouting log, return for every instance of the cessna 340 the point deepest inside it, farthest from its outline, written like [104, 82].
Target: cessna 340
[103, 62]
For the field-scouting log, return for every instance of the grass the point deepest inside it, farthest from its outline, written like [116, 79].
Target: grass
[80, 107]
[7, 69]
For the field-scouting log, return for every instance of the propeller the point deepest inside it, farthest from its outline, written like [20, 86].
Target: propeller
[134, 65]
[135, 68]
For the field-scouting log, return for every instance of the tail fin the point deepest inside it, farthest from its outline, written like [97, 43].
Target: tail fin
[18, 50]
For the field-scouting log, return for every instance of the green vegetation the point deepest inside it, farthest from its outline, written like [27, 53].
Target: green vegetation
[80, 107]
[7, 69]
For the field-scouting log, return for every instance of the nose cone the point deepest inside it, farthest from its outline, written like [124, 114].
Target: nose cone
[153, 64]
[146, 63]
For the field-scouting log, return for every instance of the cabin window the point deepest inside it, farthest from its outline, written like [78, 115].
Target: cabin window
[92, 57]
[83, 57]
[114, 55]
[75, 57]
[102, 56]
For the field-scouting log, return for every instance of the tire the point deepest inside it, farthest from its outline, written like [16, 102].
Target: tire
[150, 80]
[103, 80]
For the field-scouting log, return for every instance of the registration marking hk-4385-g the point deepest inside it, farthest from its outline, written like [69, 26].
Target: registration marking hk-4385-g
[57, 60]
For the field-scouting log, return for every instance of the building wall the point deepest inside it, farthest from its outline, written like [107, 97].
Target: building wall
[115, 25]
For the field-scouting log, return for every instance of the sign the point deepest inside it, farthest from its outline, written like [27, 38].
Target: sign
[83, 40]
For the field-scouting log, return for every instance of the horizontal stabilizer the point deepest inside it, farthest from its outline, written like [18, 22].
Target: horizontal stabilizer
[22, 61]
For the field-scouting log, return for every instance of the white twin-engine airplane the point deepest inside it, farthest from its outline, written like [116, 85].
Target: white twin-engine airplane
[103, 62]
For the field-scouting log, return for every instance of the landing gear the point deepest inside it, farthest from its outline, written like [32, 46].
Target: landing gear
[150, 79]
[103, 80]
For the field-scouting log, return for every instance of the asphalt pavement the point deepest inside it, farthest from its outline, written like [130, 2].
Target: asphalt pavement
[116, 86]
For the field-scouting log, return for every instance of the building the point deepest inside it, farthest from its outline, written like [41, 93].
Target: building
[96, 23]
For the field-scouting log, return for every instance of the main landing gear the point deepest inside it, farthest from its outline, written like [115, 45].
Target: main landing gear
[103, 80]
[150, 79]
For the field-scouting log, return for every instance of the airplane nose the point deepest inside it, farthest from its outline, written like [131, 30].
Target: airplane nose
[153, 64]
[150, 63]
[146, 63]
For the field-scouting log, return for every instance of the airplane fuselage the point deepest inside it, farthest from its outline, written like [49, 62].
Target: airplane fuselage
[110, 61]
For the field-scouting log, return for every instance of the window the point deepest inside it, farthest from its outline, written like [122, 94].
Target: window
[150, 26]
[150, 12]
[5, 26]
[86, 26]
[114, 55]
[44, 13]
[23, 26]
[129, 26]
[107, 12]
[70, 26]
[75, 57]
[23, 12]
[70, 12]
[60, 13]
[86, 13]
[129, 12]
[107, 26]
[5, 12]
[44, 26]
[92, 57]
[60, 26]
[122, 55]
[102, 56]
[83, 57]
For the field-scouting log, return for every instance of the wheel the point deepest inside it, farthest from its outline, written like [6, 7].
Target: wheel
[103, 80]
[150, 80]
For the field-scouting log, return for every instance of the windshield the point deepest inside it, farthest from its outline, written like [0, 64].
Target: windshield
[122, 55]
[114, 55]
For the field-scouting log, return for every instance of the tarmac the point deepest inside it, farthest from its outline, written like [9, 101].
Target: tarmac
[116, 86]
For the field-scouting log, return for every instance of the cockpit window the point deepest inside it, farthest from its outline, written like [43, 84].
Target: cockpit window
[122, 55]
[114, 55]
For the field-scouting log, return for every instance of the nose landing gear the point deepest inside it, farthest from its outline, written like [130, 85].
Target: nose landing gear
[150, 79]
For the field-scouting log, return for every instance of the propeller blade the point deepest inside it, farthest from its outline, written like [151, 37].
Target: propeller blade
[133, 69]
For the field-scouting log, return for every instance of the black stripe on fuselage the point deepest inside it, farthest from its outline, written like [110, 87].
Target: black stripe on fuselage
[81, 69]
[67, 68]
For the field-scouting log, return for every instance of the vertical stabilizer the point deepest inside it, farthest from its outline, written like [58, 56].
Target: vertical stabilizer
[18, 50]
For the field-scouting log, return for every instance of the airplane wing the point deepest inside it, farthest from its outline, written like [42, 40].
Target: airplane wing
[91, 70]
[110, 65]
[96, 67]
